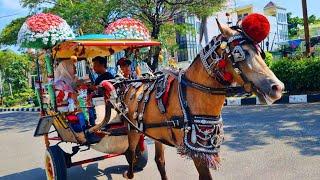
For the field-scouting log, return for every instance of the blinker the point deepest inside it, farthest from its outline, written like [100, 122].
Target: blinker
[238, 54]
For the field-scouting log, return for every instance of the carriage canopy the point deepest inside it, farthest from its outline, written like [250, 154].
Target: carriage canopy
[97, 45]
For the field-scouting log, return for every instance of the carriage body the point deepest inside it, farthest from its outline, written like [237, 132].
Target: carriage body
[57, 126]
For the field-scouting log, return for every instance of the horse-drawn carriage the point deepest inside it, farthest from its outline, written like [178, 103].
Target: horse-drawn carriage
[176, 108]
[91, 124]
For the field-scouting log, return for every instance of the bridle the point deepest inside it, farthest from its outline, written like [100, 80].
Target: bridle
[231, 49]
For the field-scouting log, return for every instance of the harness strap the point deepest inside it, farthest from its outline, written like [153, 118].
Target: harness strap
[182, 99]
[130, 123]
[174, 123]
[210, 90]
[187, 82]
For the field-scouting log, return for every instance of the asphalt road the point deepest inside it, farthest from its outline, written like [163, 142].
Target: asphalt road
[262, 142]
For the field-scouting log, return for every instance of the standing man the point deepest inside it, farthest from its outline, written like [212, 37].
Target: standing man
[100, 67]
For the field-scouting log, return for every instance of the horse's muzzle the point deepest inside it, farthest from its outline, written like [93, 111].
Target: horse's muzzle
[276, 90]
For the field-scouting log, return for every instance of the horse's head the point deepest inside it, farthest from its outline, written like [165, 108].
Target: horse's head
[245, 61]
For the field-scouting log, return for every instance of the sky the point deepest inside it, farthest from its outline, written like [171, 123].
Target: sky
[13, 7]
[293, 6]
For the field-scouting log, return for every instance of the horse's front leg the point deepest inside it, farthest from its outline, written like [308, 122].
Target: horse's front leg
[159, 158]
[203, 169]
[133, 138]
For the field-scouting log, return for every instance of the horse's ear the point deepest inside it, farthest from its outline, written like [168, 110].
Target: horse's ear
[239, 22]
[224, 29]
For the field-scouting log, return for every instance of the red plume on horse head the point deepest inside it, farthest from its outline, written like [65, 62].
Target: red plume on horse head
[256, 27]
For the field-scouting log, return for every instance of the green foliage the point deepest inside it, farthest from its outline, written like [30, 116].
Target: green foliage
[205, 8]
[91, 16]
[168, 33]
[299, 76]
[20, 98]
[294, 22]
[9, 34]
[87, 16]
[14, 69]
[269, 58]
[158, 13]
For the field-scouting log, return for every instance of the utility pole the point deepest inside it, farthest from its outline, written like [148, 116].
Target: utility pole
[306, 27]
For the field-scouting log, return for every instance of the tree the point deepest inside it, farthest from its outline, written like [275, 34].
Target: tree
[14, 69]
[85, 16]
[158, 12]
[313, 19]
[90, 16]
[295, 22]
[9, 34]
[203, 16]
[167, 35]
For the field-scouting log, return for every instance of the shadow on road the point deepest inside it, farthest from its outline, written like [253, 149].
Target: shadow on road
[297, 125]
[89, 172]
[22, 121]
[34, 174]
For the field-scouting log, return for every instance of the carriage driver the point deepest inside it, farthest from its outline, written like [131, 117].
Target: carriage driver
[100, 67]
[126, 69]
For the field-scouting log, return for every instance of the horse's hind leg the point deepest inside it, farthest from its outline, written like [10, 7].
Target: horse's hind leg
[133, 138]
[203, 169]
[159, 158]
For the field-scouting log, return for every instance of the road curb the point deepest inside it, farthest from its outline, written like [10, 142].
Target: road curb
[231, 101]
[286, 99]
[33, 109]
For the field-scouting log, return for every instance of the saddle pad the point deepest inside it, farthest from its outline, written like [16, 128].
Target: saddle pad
[162, 91]
[166, 93]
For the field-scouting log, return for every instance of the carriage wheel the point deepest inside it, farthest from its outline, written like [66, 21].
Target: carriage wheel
[55, 163]
[141, 157]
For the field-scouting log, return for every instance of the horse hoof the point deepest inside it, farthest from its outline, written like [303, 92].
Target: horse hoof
[127, 175]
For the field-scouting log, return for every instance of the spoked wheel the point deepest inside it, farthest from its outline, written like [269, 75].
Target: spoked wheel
[141, 157]
[55, 163]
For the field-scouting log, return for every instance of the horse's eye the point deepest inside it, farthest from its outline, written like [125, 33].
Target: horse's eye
[246, 53]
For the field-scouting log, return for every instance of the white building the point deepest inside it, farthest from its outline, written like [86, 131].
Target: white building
[189, 45]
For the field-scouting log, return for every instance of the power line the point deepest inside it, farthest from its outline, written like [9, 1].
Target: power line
[9, 15]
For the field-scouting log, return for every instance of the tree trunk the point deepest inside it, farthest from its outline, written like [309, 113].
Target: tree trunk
[203, 30]
[154, 51]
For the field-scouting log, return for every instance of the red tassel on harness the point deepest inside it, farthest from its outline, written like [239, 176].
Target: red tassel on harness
[141, 143]
[227, 76]
[222, 63]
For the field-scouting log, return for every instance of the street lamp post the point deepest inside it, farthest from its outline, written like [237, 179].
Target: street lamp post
[306, 26]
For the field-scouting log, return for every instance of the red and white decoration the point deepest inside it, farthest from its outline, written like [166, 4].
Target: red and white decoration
[128, 28]
[43, 31]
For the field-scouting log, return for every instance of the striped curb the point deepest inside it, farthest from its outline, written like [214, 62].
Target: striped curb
[33, 109]
[287, 99]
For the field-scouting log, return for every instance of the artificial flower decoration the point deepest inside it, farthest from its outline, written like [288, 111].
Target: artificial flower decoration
[43, 31]
[256, 27]
[128, 28]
